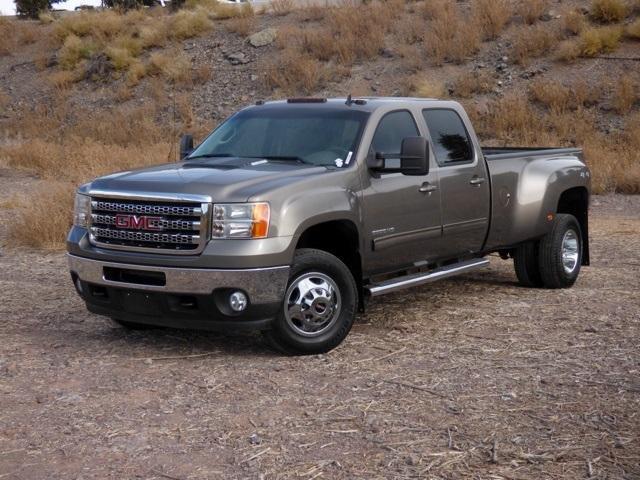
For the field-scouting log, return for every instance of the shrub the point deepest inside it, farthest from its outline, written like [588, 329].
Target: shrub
[609, 11]
[625, 95]
[241, 25]
[633, 30]
[534, 41]
[492, 16]
[471, 83]
[188, 23]
[294, 73]
[32, 8]
[175, 66]
[568, 51]
[532, 10]
[451, 36]
[594, 41]
[73, 51]
[420, 86]
[573, 22]
[281, 7]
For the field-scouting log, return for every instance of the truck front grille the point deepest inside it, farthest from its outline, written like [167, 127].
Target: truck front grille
[155, 226]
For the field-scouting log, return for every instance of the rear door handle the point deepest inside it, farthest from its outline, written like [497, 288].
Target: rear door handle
[426, 187]
[476, 181]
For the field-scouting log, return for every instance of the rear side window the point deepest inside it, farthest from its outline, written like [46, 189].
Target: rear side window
[392, 129]
[450, 139]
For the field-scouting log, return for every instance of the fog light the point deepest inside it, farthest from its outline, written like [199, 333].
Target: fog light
[238, 301]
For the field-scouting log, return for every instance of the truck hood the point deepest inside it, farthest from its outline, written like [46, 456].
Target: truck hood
[223, 179]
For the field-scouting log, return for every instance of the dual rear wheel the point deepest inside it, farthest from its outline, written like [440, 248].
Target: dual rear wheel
[554, 260]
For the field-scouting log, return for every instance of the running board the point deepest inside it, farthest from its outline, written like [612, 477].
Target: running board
[421, 278]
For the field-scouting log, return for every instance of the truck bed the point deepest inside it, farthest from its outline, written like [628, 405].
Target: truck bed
[503, 153]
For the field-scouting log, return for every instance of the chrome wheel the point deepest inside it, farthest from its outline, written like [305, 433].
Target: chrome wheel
[570, 251]
[312, 304]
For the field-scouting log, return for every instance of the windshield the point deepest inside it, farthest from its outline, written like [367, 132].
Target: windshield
[309, 134]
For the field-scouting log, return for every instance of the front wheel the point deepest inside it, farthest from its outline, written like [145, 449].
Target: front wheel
[560, 253]
[319, 306]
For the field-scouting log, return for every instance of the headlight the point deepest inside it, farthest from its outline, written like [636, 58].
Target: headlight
[81, 210]
[240, 220]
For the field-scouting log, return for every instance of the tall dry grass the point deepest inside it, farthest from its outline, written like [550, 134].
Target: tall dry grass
[66, 147]
[612, 158]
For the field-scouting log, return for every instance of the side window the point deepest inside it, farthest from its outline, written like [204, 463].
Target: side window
[391, 130]
[451, 142]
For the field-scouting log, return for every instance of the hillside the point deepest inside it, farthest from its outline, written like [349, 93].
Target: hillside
[86, 94]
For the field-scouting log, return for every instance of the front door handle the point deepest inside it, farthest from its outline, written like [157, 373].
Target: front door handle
[476, 181]
[426, 187]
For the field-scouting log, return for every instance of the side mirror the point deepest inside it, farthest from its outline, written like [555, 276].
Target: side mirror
[186, 146]
[414, 158]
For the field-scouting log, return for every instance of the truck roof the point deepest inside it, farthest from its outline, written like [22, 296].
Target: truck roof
[367, 104]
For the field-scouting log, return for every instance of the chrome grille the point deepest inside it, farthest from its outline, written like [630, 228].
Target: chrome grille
[158, 226]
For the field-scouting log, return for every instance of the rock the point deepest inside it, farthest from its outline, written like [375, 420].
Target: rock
[263, 38]
[501, 66]
[505, 59]
[546, 17]
[255, 439]
[387, 53]
[254, 77]
[237, 58]
[99, 67]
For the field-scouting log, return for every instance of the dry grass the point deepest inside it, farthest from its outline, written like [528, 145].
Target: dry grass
[294, 73]
[241, 25]
[512, 120]
[67, 147]
[573, 21]
[281, 7]
[17, 33]
[559, 98]
[423, 87]
[473, 83]
[531, 10]
[532, 42]
[594, 41]
[625, 95]
[451, 35]
[123, 37]
[492, 16]
[174, 65]
[567, 51]
[609, 11]
[633, 30]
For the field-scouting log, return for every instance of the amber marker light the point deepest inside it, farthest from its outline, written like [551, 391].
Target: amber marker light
[260, 220]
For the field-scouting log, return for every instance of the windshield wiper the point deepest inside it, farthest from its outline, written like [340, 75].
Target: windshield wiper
[211, 155]
[283, 157]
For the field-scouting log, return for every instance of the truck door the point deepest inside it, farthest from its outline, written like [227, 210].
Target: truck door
[401, 212]
[464, 183]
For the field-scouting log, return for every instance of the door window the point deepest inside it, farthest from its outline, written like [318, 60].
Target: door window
[394, 127]
[451, 144]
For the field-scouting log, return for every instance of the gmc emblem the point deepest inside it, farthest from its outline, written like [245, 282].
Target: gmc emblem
[135, 222]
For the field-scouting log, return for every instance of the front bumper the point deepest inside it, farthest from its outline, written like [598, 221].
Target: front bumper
[179, 297]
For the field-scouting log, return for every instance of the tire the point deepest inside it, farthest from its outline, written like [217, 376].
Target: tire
[555, 273]
[303, 328]
[525, 262]
[132, 325]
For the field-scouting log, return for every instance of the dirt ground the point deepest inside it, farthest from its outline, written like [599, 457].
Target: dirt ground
[473, 377]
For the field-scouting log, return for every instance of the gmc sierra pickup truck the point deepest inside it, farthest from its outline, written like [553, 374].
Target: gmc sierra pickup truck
[291, 214]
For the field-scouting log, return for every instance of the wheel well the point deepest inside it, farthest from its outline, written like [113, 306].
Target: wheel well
[575, 201]
[339, 238]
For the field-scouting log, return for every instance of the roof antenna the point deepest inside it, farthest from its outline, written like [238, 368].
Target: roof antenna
[349, 101]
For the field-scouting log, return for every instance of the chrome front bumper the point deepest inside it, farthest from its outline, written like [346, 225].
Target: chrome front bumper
[262, 285]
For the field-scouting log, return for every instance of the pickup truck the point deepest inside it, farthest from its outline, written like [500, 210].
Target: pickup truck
[291, 214]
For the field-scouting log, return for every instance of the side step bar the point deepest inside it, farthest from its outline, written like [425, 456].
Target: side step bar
[427, 277]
